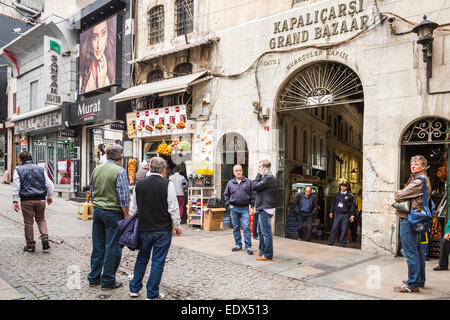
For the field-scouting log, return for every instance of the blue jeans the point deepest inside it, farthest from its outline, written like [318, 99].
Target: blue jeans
[412, 250]
[265, 234]
[241, 216]
[106, 252]
[160, 243]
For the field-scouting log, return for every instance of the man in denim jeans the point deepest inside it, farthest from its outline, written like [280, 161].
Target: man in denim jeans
[155, 201]
[265, 186]
[411, 242]
[238, 196]
[111, 198]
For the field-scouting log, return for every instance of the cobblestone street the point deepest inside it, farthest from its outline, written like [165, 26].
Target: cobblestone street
[61, 273]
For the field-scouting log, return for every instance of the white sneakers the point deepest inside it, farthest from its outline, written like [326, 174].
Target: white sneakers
[135, 295]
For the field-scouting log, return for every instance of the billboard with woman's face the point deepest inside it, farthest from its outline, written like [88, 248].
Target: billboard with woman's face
[98, 56]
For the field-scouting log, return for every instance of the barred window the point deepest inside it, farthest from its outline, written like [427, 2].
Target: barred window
[155, 75]
[156, 24]
[184, 16]
[182, 69]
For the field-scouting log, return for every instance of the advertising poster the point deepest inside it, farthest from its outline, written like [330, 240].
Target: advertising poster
[131, 125]
[161, 121]
[98, 56]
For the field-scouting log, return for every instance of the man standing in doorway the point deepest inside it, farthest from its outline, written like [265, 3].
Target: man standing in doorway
[179, 181]
[306, 204]
[238, 196]
[343, 212]
[265, 186]
[32, 185]
[154, 198]
[411, 245]
[111, 198]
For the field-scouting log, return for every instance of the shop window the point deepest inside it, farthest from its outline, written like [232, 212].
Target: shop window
[294, 147]
[155, 75]
[305, 147]
[156, 24]
[33, 94]
[322, 154]
[335, 128]
[182, 69]
[184, 17]
[315, 151]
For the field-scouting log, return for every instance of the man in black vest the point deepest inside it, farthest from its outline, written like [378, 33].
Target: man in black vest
[306, 205]
[155, 202]
[343, 212]
[32, 186]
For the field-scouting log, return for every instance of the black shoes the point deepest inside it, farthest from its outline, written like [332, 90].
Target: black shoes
[45, 244]
[439, 268]
[115, 285]
[235, 249]
[29, 248]
[249, 251]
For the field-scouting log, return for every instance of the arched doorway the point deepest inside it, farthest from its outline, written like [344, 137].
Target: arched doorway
[430, 138]
[233, 150]
[325, 102]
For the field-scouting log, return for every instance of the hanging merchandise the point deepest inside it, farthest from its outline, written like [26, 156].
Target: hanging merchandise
[442, 172]
[174, 145]
[132, 166]
[164, 149]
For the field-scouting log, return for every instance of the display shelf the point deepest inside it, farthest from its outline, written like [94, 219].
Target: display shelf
[201, 194]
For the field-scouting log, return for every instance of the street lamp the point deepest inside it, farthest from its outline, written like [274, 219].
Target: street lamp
[424, 31]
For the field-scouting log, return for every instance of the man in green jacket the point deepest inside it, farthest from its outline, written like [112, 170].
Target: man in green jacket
[445, 249]
[111, 198]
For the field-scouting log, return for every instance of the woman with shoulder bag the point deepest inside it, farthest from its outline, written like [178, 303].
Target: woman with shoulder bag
[411, 240]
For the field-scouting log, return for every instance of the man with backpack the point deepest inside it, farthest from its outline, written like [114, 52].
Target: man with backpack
[411, 240]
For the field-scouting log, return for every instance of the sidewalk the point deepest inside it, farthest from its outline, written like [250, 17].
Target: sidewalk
[7, 291]
[349, 270]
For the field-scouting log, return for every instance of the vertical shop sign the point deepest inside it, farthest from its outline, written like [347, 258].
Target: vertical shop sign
[52, 70]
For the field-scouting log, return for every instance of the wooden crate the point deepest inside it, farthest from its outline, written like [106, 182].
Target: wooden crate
[212, 219]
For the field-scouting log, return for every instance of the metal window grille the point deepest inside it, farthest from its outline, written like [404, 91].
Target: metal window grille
[184, 16]
[155, 75]
[182, 69]
[427, 130]
[156, 24]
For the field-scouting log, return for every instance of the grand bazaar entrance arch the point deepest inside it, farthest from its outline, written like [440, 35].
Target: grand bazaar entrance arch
[320, 120]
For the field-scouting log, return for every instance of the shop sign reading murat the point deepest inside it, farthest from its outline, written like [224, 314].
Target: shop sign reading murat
[319, 24]
[52, 67]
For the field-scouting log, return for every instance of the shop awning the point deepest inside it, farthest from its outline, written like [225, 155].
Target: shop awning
[168, 86]
[205, 40]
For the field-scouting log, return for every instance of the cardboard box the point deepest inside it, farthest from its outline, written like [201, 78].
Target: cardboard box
[212, 219]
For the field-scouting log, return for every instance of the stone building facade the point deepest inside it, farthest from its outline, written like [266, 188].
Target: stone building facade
[326, 90]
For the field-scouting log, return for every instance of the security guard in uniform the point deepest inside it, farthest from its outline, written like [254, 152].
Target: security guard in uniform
[342, 212]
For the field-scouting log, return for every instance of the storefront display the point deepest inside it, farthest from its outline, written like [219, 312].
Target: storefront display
[162, 121]
[52, 151]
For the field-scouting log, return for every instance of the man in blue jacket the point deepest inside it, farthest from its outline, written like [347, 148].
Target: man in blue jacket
[265, 186]
[32, 186]
[238, 196]
[343, 212]
[306, 205]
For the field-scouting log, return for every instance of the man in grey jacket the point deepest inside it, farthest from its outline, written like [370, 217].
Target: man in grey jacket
[306, 205]
[265, 186]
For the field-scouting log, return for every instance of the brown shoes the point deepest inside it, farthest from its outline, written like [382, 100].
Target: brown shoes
[29, 248]
[262, 258]
[405, 289]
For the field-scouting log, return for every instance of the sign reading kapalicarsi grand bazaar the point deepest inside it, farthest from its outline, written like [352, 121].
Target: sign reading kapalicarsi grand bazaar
[324, 23]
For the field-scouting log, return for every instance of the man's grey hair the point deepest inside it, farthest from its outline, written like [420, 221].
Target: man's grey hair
[310, 188]
[157, 165]
[237, 165]
[266, 163]
[114, 152]
[421, 159]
